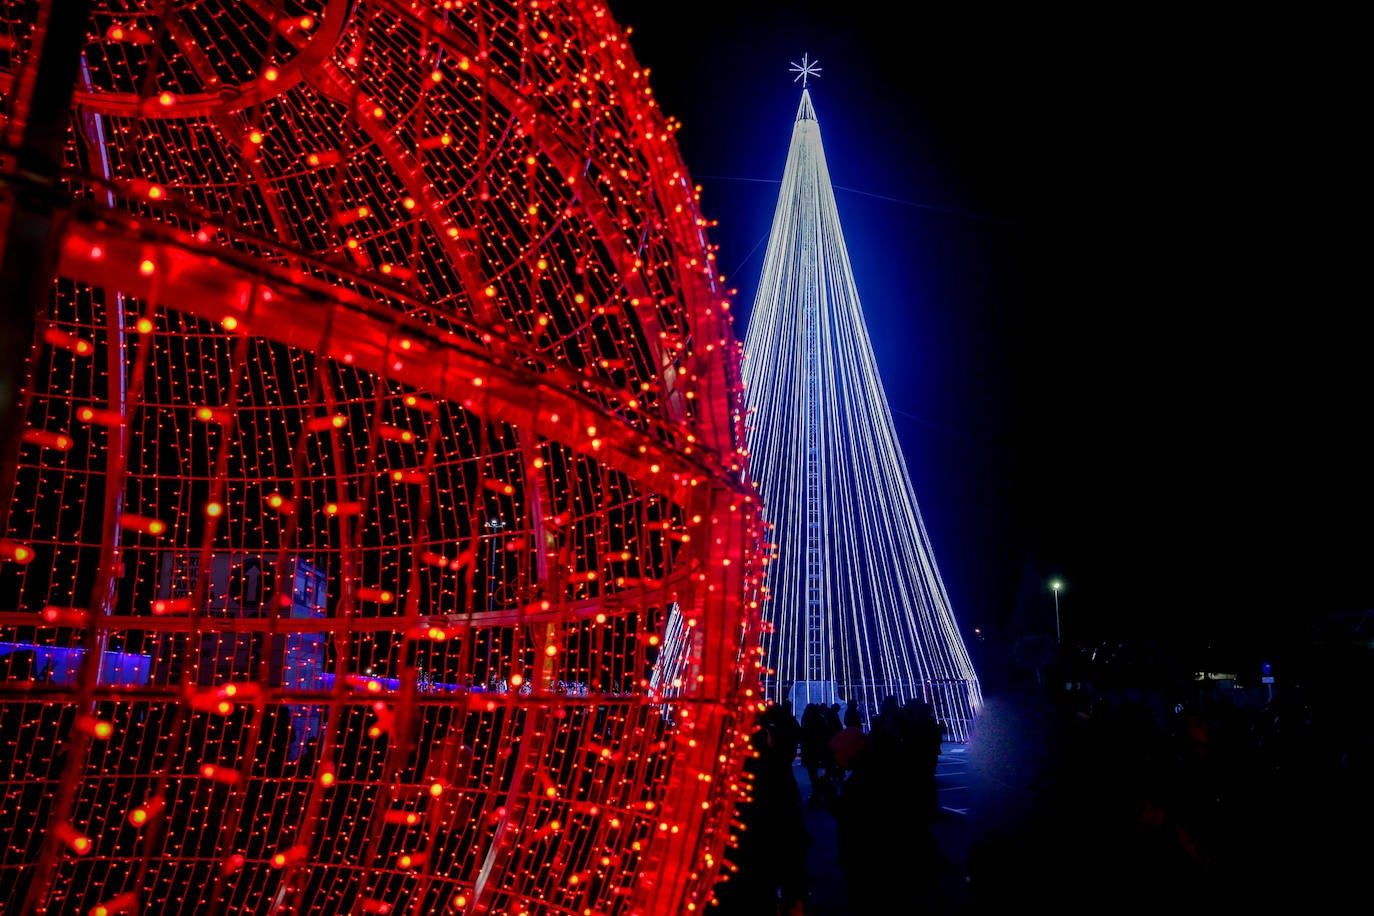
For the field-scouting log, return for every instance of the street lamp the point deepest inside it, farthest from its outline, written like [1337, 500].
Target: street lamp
[495, 525]
[1055, 586]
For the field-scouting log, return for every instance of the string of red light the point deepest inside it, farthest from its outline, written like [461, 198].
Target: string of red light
[385, 401]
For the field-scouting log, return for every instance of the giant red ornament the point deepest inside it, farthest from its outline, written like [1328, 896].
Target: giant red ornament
[376, 531]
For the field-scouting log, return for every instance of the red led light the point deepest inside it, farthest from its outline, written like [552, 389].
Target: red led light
[19, 553]
[76, 841]
[44, 439]
[69, 342]
[375, 478]
[172, 606]
[142, 524]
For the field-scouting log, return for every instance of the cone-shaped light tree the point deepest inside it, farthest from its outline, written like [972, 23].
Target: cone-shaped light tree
[855, 602]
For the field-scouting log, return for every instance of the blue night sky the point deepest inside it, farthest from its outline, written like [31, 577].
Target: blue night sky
[1103, 272]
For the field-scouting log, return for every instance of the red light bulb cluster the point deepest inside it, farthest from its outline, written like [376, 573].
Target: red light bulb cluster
[379, 538]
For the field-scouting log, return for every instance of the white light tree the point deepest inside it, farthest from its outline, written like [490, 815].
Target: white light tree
[856, 606]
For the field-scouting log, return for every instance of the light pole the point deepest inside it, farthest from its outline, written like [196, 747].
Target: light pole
[1055, 586]
[495, 525]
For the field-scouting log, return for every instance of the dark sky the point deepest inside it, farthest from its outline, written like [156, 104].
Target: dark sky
[1107, 262]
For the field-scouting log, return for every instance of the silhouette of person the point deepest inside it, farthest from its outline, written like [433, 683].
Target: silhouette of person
[923, 737]
[848, 743]
[887, 850]
[815, 749]
[888, 719]
[771, 851]
[782, 721]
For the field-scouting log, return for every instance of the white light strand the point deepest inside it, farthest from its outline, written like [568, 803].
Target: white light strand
[665, 680]
[855, 596]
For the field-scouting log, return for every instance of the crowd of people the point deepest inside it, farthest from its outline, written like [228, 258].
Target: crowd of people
[862, 776]
[1118, 800]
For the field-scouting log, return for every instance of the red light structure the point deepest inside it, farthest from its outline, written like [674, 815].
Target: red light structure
[372, 437]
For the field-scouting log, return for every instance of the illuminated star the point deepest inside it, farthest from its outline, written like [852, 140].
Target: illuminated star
[804, 69]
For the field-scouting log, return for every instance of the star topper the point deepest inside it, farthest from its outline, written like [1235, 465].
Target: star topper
[805, 69]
